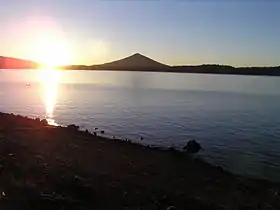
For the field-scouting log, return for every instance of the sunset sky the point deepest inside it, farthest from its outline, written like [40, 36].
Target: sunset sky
[172, 32]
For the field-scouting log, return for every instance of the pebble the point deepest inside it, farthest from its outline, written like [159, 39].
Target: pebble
[2, 195]
[77, 178]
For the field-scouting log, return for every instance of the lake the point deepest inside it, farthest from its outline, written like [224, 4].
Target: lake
[235, 118]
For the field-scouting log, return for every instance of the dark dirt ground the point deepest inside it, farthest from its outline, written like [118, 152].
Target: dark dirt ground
[45, 167]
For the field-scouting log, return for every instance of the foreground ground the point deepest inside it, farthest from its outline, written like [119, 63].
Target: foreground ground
[44, 167]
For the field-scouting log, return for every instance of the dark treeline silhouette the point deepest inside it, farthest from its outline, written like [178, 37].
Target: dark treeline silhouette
[221, 69]
[138, 62]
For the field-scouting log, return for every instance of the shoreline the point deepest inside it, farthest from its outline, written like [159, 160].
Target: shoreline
[54, 167]
[139, 62]
[161, 71]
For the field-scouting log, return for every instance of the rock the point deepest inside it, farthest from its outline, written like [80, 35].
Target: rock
[44, 121]
[2, 195]
[247, 207]
[102, 132]
[220, 168]
[172, 149]
[87, 132]
[192, 147]
[171, 208]
[269, 207]
[125, 193]
[77, 178]
[74, 127]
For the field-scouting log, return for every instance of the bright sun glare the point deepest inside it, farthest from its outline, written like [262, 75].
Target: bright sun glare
[49, 79]
[51, 52]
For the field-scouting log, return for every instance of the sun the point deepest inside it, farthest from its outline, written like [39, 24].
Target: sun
[51, 52]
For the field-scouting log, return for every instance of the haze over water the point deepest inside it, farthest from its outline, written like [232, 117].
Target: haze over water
[235, 118]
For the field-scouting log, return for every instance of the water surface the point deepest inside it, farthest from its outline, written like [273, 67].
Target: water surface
[235, 118]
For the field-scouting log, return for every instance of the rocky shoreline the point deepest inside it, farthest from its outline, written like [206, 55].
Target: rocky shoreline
[48, 167]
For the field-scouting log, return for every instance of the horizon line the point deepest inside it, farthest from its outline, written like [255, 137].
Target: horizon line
[172, 65]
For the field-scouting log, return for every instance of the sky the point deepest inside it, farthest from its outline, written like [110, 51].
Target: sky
[174, 32]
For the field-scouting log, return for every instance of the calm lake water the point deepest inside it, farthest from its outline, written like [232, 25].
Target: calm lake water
[235, 118]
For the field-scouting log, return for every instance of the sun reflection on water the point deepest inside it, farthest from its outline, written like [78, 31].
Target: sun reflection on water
[49, 79]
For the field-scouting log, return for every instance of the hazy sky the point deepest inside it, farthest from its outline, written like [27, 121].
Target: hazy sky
[173, 32]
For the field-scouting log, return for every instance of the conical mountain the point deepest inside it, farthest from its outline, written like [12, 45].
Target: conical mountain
[134, 62]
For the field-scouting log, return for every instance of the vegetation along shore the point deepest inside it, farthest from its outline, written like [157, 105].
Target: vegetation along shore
[138, 62]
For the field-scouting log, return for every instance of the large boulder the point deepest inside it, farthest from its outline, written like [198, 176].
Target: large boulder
[43, 121]
[73, 127]
[192, 147]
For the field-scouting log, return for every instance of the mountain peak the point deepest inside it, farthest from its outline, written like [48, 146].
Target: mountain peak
[135, 61]
[138, 54]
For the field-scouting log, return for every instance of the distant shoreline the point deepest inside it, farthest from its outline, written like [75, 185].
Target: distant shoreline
[138, 62]
[261, 73]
